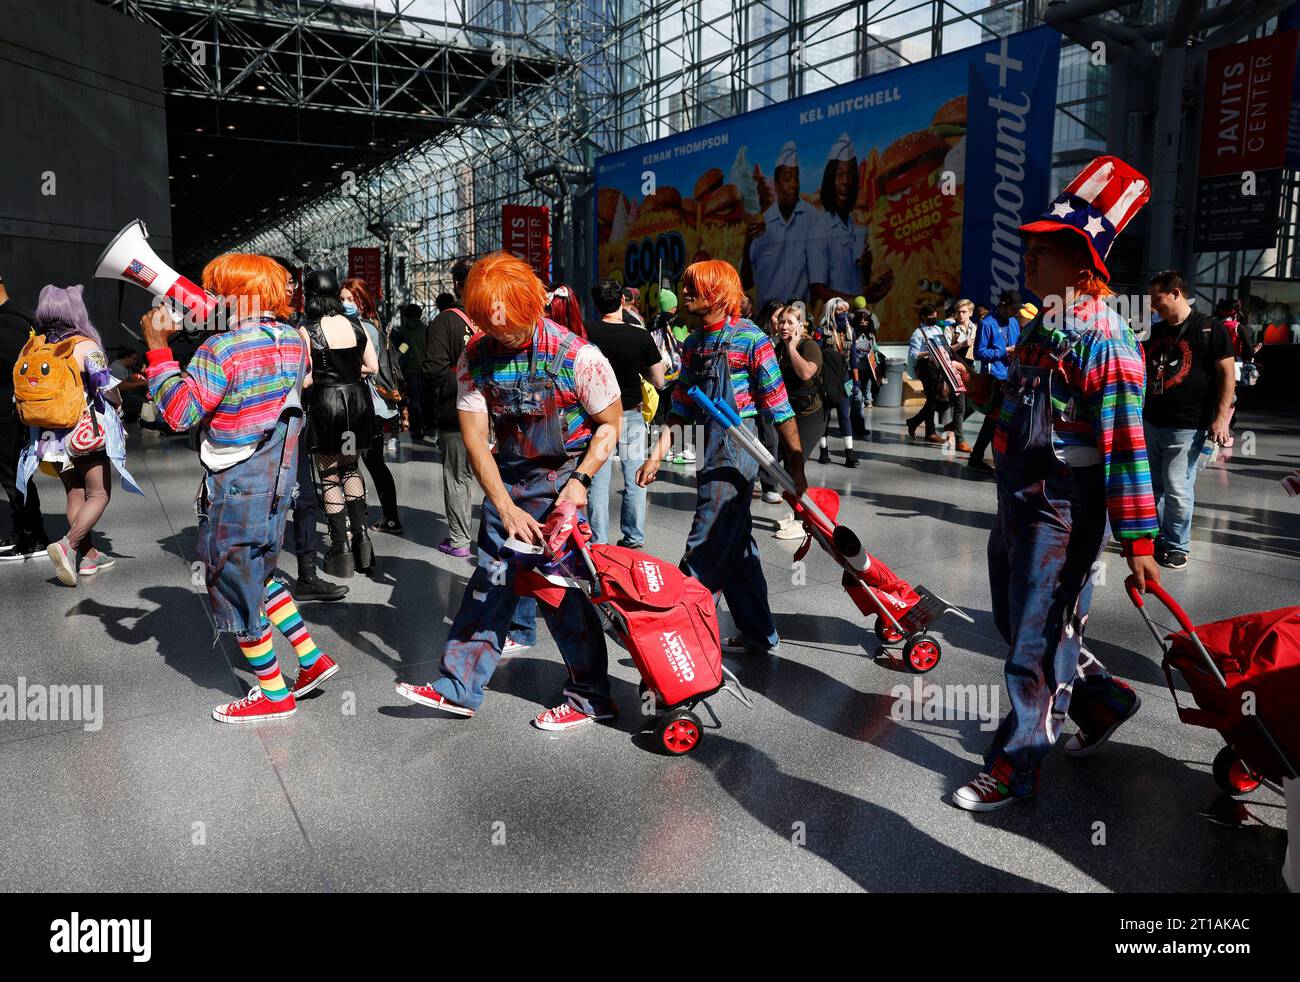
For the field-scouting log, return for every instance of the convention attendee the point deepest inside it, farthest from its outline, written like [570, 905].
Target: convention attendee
[553, 400]
[775, 251]
[800, 361]
[341, 423]
[938, 394]
[995, 343]
[1071, 472]
[839, 260]
[733, 363]
[633, 354]
[249, 451]
[28, 539]
[307, 546]
[412, 338]
[448, 335]
[836, 385]
[1191, 380]
[769, 317]
[661, 332]
[960, 335]
[867, 362]
[566, 310]
[80, 454]
[385, 399]
[631, 315]
[132, 386]
[1228, 312]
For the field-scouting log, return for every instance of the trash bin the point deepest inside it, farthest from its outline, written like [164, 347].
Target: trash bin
[891, 389]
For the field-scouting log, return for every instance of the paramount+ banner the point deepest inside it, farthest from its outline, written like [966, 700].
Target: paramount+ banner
[902, 187]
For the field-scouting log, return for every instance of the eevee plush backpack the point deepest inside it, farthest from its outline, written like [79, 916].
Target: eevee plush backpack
[48, 390]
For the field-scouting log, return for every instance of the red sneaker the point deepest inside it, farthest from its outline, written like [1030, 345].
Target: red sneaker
[254, 708]
[309, 679]
[427, 695]
[565, 717]
[985, 794]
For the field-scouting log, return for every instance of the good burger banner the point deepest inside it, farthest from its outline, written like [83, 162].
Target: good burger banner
[902, 187]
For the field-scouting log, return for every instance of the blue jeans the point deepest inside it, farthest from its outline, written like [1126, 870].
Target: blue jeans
[631, 454]
[490, 610]
[1047, 535]
[1174, 456]
[720, 548]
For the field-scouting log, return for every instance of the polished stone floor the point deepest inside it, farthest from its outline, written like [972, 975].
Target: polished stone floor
[818, 787]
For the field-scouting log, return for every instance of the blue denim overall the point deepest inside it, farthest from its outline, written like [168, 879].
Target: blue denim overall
[242, 514]
[534, 466]
[720, 549]
[1051, 528]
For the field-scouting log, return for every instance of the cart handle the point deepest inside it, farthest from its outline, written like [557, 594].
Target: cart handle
[1159, 592]
[1184, 622]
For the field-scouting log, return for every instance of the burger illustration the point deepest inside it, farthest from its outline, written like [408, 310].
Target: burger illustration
[949, 124]
[716, 201]
[908, 161]
[949, 121]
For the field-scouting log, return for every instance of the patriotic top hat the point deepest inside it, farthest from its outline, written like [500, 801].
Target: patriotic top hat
[1096, 205]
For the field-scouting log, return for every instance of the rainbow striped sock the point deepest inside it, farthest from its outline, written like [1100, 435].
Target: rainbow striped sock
[284, 615]
[260, 653]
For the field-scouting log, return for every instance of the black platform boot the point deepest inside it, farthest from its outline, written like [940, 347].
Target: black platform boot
[825, 456]
[850, 459]
[362, 550]
[311, 586]
[338, 560]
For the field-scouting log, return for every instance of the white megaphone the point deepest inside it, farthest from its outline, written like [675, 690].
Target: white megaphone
[128, 257]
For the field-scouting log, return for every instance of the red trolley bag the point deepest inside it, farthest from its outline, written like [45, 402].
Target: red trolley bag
[1244, 676]
[666, 620]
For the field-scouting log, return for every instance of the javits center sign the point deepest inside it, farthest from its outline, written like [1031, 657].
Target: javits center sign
[903, 187]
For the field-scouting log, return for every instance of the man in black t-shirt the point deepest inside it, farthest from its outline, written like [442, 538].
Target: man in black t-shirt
[1190, 381]
[29, 539]
[633, 354]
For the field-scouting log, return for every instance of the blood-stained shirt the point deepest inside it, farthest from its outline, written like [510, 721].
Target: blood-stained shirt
[1097, 392]
[586, 381]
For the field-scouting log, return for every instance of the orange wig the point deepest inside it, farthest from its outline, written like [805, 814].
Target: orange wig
[716, 283]
[361, 296]
[256, 283]
[503, 295]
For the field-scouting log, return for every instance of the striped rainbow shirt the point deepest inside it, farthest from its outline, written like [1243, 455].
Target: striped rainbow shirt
[1097, 409]
[752, 361]
[235, 384]
[509, 365]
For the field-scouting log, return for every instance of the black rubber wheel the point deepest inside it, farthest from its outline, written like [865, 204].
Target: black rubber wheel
[1232, 775]
[921, 653]
[886, 634]
[679, 732]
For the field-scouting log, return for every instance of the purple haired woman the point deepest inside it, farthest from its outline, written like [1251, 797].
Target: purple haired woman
[61, 316]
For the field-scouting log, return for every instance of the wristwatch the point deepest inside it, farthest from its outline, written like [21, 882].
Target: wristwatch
[584, 479]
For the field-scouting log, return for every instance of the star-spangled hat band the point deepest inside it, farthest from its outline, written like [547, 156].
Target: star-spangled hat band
[1096, 205]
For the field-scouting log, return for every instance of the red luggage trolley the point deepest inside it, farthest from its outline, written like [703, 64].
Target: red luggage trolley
[1249, 661]
[663, 618]
[902, 613]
